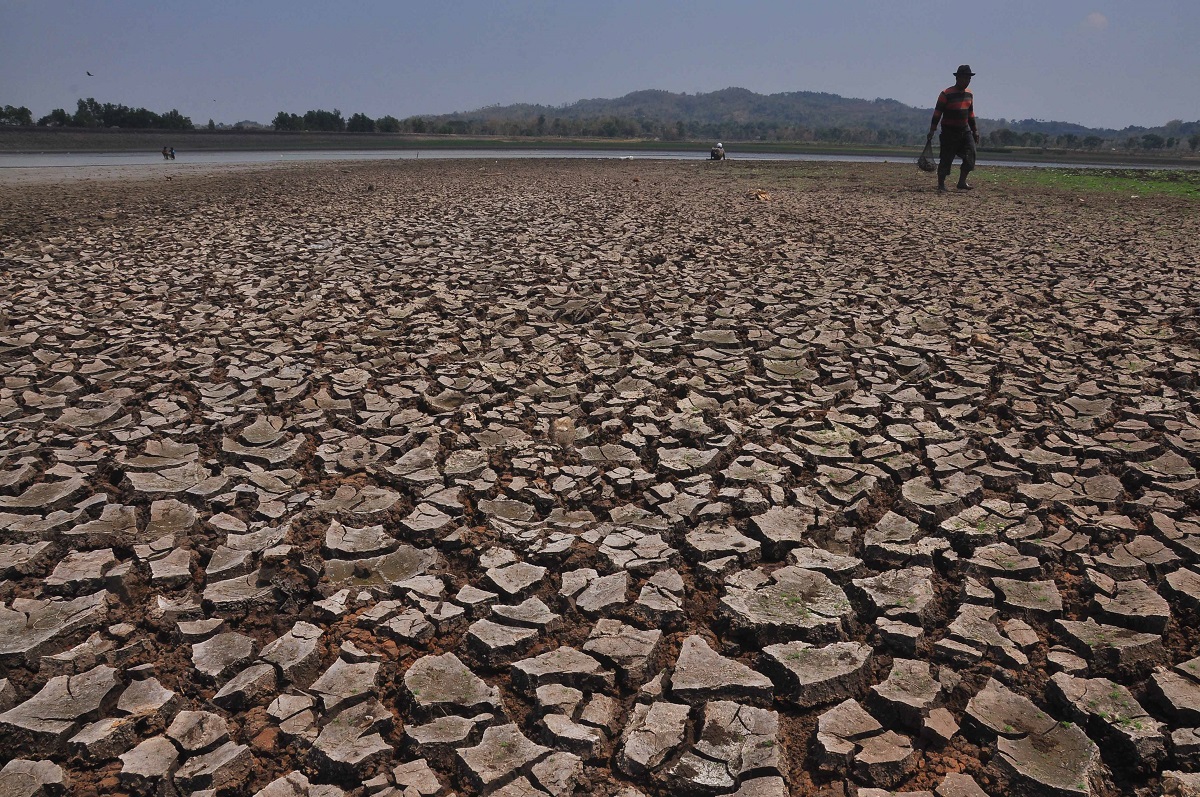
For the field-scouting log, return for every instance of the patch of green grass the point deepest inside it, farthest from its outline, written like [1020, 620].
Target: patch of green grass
[1126, 182]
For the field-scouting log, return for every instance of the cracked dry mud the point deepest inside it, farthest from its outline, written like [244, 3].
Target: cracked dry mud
[528, 478]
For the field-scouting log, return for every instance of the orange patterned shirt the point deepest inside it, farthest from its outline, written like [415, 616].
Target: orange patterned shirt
[956, 110]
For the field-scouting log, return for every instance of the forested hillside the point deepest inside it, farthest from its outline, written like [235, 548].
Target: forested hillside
[740, 114]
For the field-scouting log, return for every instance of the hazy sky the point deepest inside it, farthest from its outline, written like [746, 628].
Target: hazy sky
[1094, 62]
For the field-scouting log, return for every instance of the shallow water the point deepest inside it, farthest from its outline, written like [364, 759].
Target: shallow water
[82, 159]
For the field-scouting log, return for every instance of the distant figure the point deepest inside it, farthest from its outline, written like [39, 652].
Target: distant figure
[956, 110]
[166, 154]
[717, 153]
[172, 153]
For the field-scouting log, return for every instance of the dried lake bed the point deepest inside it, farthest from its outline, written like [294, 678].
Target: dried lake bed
[622, 478]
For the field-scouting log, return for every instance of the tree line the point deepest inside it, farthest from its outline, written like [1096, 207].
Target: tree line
[608, 126]
[639, 127]
[332, 122]
[535, 122]
[1146, 141]
[89, 113]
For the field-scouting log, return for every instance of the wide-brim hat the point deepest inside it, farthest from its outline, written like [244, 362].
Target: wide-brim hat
[964, 69]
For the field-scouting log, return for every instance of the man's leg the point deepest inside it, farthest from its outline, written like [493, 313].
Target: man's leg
[968, 162]
[948, 145]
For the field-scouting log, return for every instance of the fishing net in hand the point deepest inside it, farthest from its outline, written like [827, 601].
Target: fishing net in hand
[925, 162]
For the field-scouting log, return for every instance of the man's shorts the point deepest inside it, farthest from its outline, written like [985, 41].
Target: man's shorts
[956, 145]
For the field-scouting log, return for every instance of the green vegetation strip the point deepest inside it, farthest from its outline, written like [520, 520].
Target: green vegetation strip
[1129, 182]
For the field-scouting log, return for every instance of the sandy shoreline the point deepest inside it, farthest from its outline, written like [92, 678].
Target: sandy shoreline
[565, 477]
[19, 176]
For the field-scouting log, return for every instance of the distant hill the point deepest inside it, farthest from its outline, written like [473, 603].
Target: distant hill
[734, 106]
[741, 114]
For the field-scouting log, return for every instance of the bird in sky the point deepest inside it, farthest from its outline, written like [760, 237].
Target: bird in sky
[89, 74]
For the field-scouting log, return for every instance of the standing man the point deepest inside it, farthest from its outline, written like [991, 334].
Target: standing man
[956, 110]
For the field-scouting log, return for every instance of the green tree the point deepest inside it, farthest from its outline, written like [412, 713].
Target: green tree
[1002, 137]
[11, 115]
[325, 121]
[212, 125]
[1153, 141]
[387, 124]
[1092, 142]
[174, 120]
[360, 123]
[287, 121]
[56, 118]
[1194, 142]
[88, 113]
